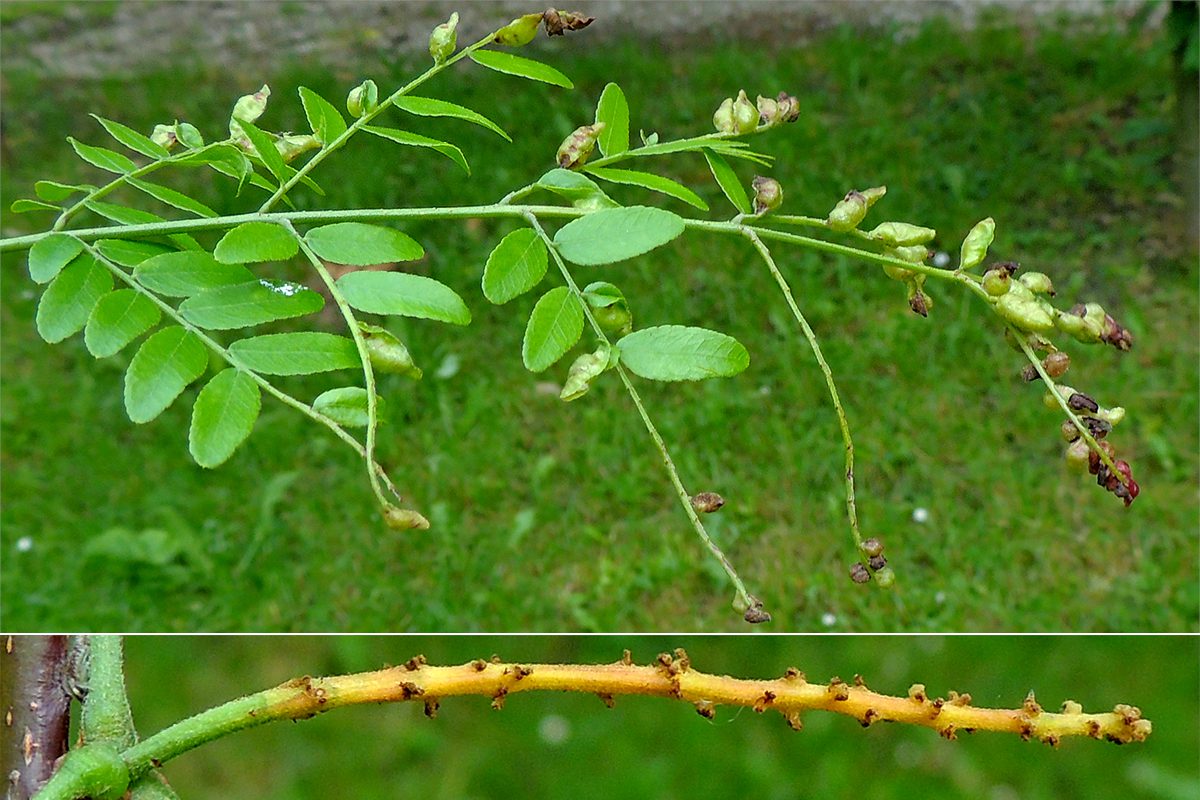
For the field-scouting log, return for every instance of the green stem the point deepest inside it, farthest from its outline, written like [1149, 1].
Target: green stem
[364, 356]
[853, 252]
[685, 498]
[233, 360]
[362, 121]
[639, 152]
[851, 505]
[339, 215]
[106, 716]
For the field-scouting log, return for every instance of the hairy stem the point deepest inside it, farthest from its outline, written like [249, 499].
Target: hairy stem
[744, 597]
[364, 356]
[233, 360]
[106, 716]
[669, 677]
[847, 441]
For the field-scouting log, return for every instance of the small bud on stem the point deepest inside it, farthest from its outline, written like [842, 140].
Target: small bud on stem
[443, 40]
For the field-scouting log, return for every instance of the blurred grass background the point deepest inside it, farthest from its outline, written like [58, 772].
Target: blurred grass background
[566, 745]
[559, 517]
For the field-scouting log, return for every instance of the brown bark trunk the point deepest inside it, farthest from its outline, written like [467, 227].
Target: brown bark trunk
[36, 706]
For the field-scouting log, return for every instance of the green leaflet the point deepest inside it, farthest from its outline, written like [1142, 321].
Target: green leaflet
[417, 140]
[516, 265]
[727, 179]
[346, 406]
[251, 303]
[25, 205]
[160, 370]
[680, 353]
[301, 353]
[358, 244]
[223, 417]
[48, 256]
[119, 318]
[224, 158]
[613, 111]
[521, 67]
[188, 272]
[581, 190]
[264, 145]
[171, 197]
[325, 120]
[430, 107]
[650, 181]
[252, 242]
[56, 192]
[401, 294]
[129, 253]
[554, 327]
[615, 234]
[102, 157]
[69, 299]
[137, 142]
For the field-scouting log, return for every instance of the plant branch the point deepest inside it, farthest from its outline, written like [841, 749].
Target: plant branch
[123, 178]
[36, 708]
[364, 356]
[669, 677]
[106, 716]
[233, 360]
[338, 215]
[1022, 340]
[847, 441]
[743, 596]
[362, 121]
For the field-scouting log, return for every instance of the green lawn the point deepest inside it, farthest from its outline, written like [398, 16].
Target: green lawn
[559, 517]
[566, 745]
